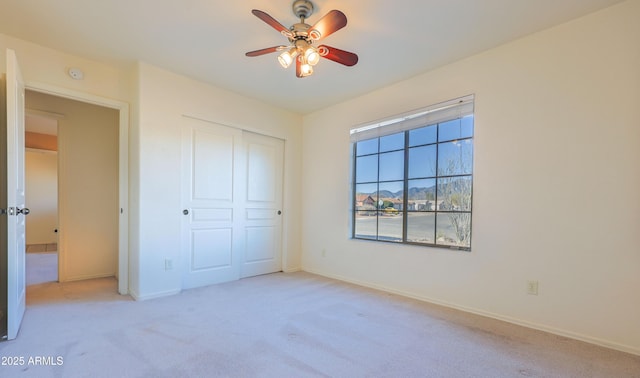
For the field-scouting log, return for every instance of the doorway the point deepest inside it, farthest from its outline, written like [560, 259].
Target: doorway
[12, 200]
[87, 159]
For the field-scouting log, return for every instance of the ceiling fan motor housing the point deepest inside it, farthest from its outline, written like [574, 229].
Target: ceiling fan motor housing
[300, 31]
[302, 8]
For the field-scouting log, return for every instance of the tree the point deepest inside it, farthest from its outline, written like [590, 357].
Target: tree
[455, 192]
[387, 204]
[456, 195]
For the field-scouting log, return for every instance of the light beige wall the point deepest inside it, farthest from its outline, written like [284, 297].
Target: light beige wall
[43, 65]
[46, 69]
[556, 183]
[157, 99]
[41, 183]
[88, 183]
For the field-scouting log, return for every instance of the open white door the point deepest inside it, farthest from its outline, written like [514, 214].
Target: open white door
[16, 210]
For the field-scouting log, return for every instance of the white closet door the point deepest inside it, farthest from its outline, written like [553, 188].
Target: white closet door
[263, 204]
[211, 162]
[232, 184]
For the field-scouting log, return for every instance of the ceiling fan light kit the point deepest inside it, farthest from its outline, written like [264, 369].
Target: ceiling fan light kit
[301, 37]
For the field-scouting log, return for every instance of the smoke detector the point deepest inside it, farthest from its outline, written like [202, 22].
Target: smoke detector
[76, 73]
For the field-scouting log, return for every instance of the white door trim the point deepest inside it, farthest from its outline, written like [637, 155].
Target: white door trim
[123, 190]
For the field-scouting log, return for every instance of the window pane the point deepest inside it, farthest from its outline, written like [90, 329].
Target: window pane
[467, 127]
[454, 193]
[423, 135]
[367, 168]
[422, 161]
[366, 224]
[455, 158]
[421, 227]
[422, 195]
[415, 186]
[454, 229]
[392, 166]
[390, 226]
[366, 196]
[391, 196]
[392, 142]
[366, 147]
[456, 129]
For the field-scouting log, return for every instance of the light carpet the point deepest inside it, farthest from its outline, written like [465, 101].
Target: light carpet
[41, 267]
[283, 325]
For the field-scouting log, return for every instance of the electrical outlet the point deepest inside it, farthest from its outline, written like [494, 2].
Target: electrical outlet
[168, 264]
[532, 287]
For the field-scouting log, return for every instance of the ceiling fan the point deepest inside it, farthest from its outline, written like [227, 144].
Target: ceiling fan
[302, 37]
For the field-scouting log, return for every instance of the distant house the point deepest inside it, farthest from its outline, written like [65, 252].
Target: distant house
[421, 205]
[429, 205]
[365, 202]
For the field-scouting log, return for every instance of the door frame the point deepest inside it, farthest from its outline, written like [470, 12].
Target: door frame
[123, 166]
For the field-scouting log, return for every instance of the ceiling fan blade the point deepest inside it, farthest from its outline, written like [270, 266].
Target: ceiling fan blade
[340, 56]
[272, 22]
[328, 24]
[267, 50]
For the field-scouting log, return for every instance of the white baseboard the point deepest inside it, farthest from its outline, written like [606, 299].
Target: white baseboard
[508, 319]
[159, 294]
[88, 277]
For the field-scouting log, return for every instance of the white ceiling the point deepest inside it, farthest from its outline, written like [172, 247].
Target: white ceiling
[207, 39]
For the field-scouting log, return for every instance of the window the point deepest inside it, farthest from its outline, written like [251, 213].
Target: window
[413, 176]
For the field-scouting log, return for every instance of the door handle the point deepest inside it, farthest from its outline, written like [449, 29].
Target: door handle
[24, 211]
[185, 211]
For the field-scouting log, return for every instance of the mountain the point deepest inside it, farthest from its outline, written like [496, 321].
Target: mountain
[414, 193]
[388, 194]
[422, 193]
[462, 184]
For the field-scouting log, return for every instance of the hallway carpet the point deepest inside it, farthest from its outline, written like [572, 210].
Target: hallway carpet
[41, 267]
